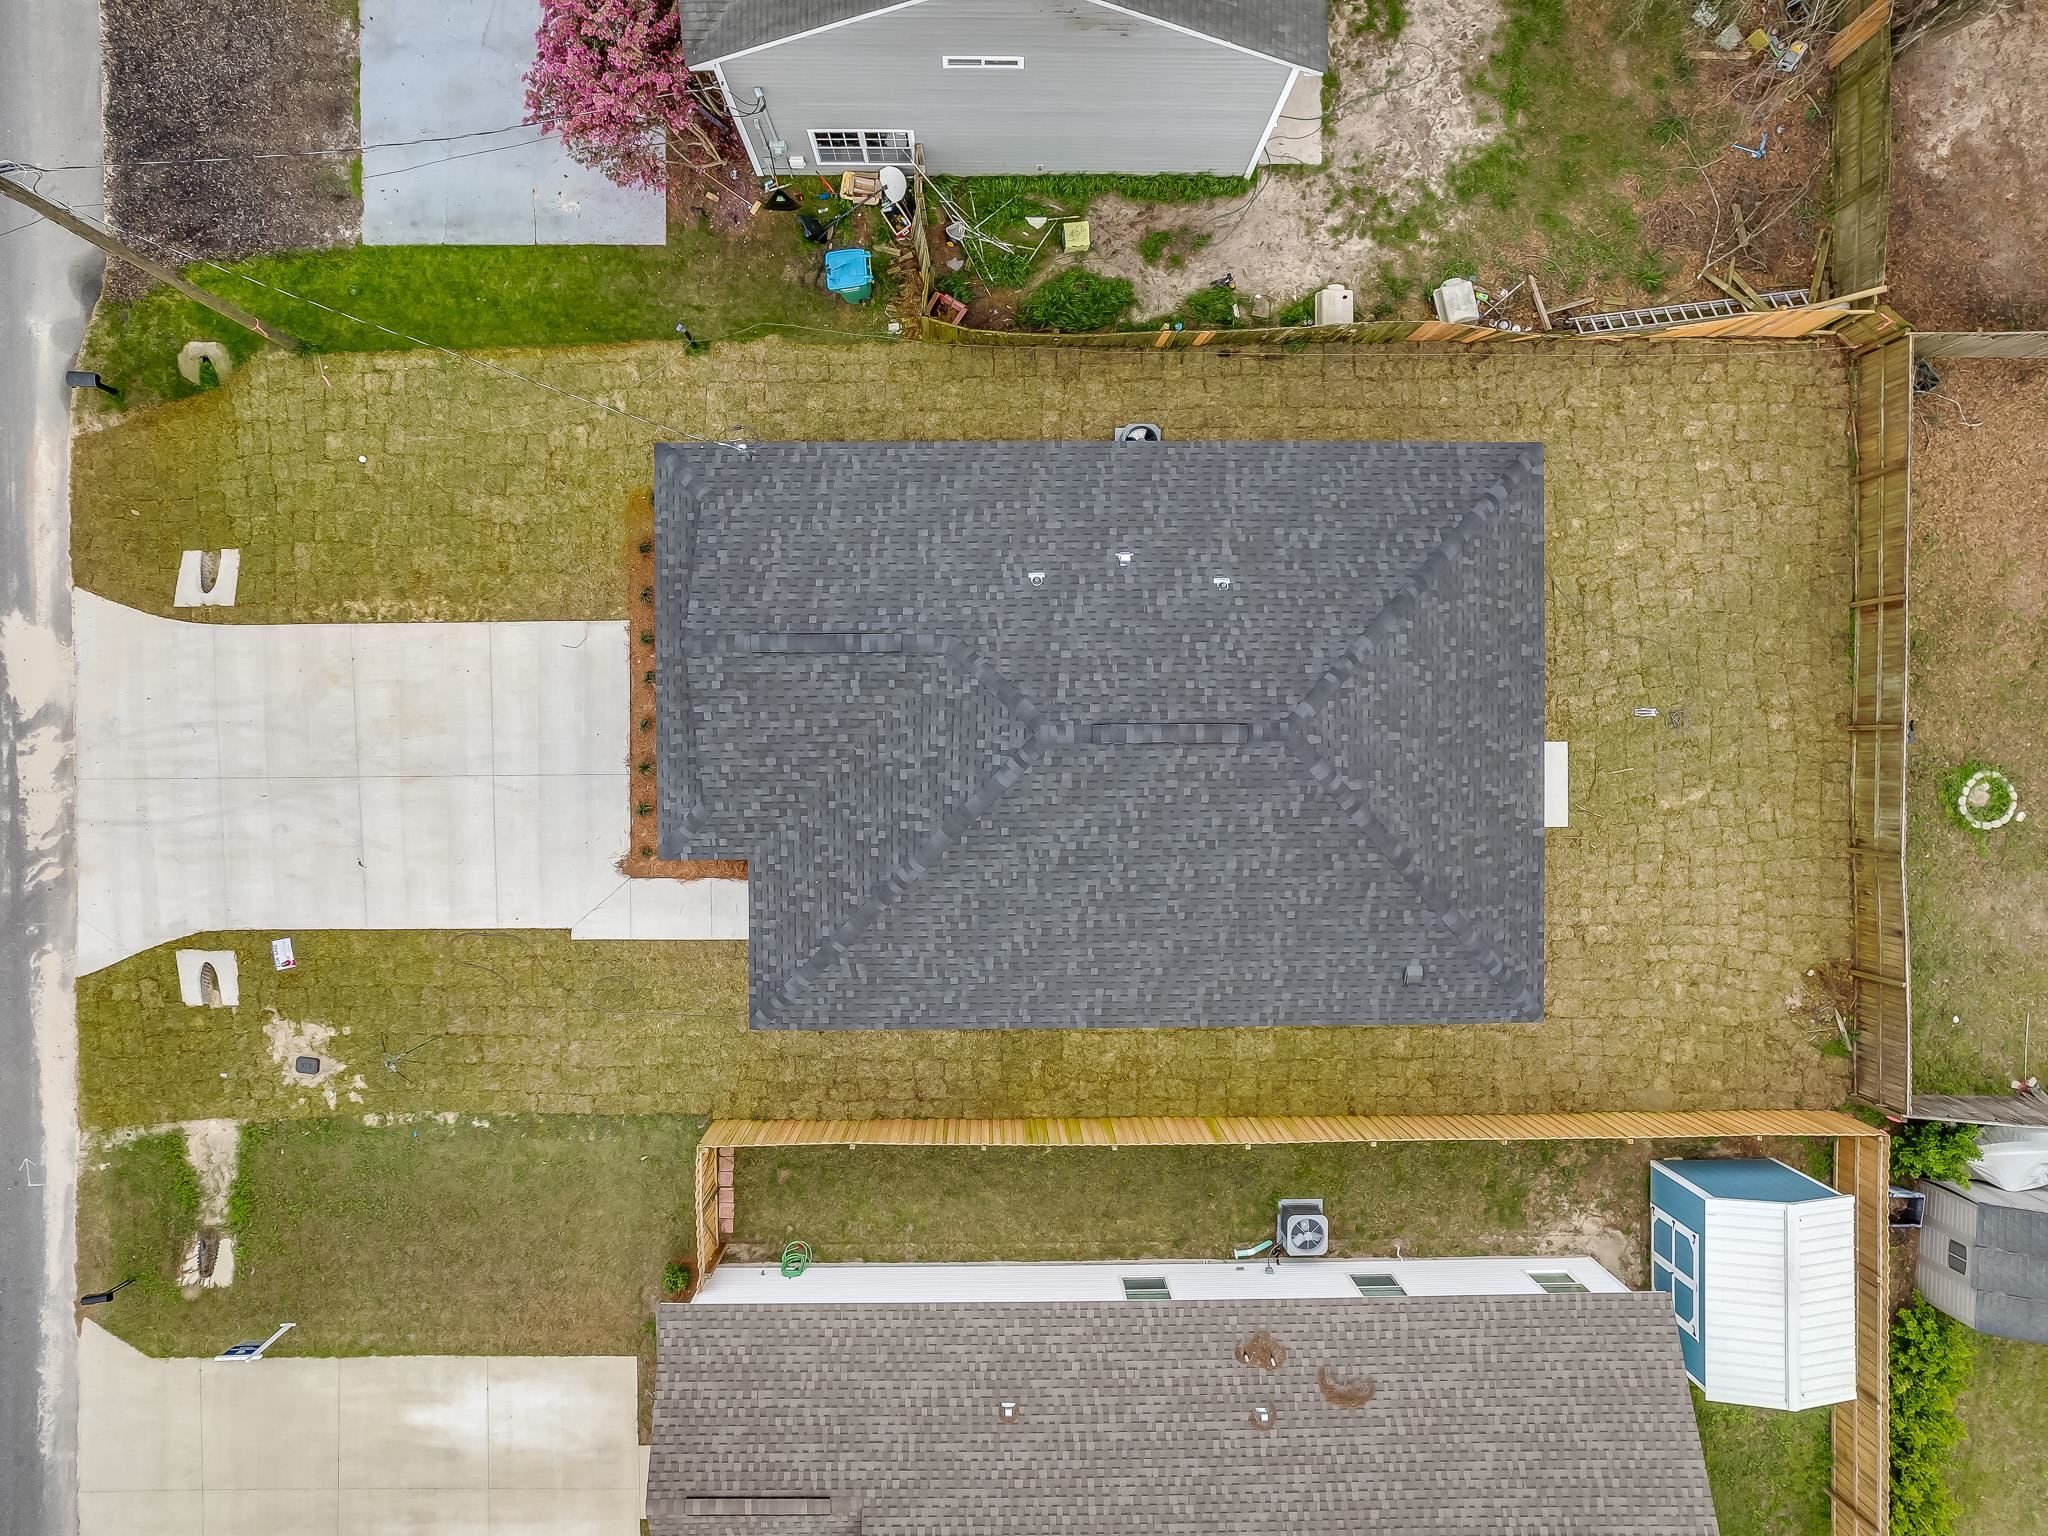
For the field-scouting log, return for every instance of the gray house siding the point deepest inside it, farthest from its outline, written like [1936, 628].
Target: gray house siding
[1949, 1218]
[1099, 91]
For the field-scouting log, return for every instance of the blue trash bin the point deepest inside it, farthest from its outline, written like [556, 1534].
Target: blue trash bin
[848, 274]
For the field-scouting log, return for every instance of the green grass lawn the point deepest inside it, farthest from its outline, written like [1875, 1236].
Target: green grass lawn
[527, 1235]
[469, 297]
[1978, 904]
[1769, 1470]
[2000, 1472]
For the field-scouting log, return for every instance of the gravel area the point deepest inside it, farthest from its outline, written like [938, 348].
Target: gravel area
[189, 79]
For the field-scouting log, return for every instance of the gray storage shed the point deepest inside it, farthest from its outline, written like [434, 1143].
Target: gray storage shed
[1984, 1257]
[994, 87]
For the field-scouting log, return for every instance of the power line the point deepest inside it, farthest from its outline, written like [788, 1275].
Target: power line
[285, 154]
[418, 341]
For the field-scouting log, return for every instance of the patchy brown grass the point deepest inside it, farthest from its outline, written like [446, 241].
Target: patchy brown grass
[1979, 906]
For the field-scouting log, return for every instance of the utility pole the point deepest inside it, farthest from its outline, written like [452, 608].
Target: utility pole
[64, 219]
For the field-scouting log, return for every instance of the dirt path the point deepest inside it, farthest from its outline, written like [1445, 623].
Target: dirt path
[1968, 245]
[1404, 114]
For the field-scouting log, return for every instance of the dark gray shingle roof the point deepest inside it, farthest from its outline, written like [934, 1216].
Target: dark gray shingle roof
[1490, 1416]
[1294, 30]
[1124, 796]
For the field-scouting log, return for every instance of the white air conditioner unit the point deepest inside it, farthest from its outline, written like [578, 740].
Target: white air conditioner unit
[1303, 1231]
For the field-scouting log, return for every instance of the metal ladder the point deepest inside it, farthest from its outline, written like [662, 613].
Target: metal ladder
[1677, 314]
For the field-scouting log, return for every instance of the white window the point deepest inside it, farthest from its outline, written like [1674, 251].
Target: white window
[861, 146]
[1557, 1282]
[1675, 1268]
[1377, 1285]
[1146, 1288]
[980, 61]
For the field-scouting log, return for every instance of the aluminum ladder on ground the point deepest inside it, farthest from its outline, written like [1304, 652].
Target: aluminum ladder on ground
[1678, 314]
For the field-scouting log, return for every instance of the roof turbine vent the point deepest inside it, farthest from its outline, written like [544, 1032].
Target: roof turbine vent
[1036, 578]
[1220, 583]
[1140, 432]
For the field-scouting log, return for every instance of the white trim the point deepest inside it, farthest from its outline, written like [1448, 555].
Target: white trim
[738, 121]
[818, 158]
[1207, 37]
[1683, 1182]
[830, 26]
[1690, 1277]
[1265, 138]
[981, 61]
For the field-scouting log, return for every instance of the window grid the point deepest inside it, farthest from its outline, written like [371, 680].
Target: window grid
[1378, 1285]
[1146, 1288]
[1958, 1257]
[1674, 1276]
[1557, 1282]
[862, 146]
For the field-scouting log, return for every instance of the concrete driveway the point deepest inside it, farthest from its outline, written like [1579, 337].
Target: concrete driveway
[281, 776]
[447, 1445]
[452, 72]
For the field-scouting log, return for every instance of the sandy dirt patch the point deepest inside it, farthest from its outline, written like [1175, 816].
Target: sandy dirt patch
[1968, 243]
[1404, 114]
[288, 1040]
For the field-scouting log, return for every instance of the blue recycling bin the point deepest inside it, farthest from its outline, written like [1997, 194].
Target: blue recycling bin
[848, 274]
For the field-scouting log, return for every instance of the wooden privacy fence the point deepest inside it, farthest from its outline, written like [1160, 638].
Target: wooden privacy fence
[1861, 162]
[1882, 376]
[1859, 1485]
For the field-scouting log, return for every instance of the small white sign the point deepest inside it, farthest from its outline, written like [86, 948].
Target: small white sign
[281, 955]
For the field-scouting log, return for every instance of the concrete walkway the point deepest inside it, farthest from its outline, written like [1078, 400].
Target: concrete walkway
[359, 776]
[452, 72]
[441, 1444]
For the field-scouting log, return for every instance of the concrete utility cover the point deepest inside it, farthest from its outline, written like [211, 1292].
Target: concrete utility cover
[452, 71]
[454, 1445]
[281, 776]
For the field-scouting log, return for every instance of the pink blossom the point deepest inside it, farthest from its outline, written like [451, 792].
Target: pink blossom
[610, 80]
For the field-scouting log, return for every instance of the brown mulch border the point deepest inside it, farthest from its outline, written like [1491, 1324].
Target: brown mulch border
[642, 783]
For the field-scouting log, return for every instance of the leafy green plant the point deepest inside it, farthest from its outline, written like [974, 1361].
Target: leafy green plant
[1931, 1358]
[675, 1278]
[1928, 1149]
[1670, 128]
[1076, 300]
[1300, 312]
[1381, 18]
[1209, 309]
[1152, 248]
[956, 285]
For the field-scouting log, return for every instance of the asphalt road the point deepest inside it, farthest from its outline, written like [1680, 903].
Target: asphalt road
[49, 114]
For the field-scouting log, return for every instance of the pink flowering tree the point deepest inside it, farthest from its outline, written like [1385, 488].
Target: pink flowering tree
[611, 81]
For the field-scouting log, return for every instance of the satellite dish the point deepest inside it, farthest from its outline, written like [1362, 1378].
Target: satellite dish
[895, 185]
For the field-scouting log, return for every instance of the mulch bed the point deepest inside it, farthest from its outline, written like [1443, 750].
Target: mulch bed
[640, 861]
[195, 78]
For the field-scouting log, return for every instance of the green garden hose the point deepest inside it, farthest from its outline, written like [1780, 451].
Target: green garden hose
[796, 1258]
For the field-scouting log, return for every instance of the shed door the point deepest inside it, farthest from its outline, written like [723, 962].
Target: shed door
[1675, 1268]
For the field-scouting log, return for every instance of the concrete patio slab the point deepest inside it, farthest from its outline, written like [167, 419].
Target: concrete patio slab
[359, 776]
[453, 72]
[269, 1425]
[448, 1445]
[142, 1514]
[414, 1422]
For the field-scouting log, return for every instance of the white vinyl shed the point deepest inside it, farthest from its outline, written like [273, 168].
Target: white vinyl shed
[1760, 1264]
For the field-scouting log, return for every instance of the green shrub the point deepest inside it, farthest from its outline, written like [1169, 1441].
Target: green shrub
[1931, 1358]
[1152, 248]
[1076, 300]
[1300, 312]
[957, 285]
[1927, 1149]
[675, 1278]
[1209, 309]
[1383, 18]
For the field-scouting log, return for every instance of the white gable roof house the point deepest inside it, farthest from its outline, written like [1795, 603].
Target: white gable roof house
[1013, 87]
